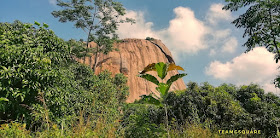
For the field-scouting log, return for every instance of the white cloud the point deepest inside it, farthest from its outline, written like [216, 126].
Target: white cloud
[141, 29]
[53, 2]
[220, 39]
[186, 33]
[212, 52]
[221, 34]
[219, 70]
[217, 14]
[222, 42]
[256, 66]
[269, 87]
[230, 45]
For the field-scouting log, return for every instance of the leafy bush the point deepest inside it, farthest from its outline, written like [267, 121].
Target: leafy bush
[29, 57]
[14, 130]
[226, 107]
[142, 120]
[42, 85]
[195, 131]
[44, 88]
[150, 38]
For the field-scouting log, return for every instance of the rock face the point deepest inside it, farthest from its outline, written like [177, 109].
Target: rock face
[132, 56]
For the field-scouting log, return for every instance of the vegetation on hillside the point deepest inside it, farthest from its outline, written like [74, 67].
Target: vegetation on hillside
[44, 87]
[45, 92]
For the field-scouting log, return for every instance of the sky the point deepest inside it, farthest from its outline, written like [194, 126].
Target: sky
[198, 33]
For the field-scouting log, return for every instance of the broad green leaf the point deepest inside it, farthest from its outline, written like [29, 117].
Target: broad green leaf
[161, 69]
[172, 66]
[149, 78]
[175, 77]
[4, 99]
[45, 25]
[150, 67]
[163, 89]
[36, 23]
[149, 99]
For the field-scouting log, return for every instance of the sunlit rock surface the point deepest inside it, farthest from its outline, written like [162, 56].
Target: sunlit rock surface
[132, 56]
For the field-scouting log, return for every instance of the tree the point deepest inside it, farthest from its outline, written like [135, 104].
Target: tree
[263, 108]
[30, 56]
[40, 84]
[163, 88]
[261, 22]
[98, 18]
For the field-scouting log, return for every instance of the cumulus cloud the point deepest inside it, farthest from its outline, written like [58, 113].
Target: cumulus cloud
[256, 66]
[217, 14]
[221, 34]
[221, 40]
[53, 2]
[212, 52]
[185, 33]
[141, 29]
[230, 45]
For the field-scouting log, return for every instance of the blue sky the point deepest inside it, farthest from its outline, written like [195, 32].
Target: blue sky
[198, 32]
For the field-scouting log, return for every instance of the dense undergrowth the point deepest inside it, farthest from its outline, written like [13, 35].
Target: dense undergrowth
[44, 92]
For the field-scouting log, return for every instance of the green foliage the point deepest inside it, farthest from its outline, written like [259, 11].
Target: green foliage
[52, 95]
[29, 58]
[261, 23]
[150, 38]
[41, 84]
[78, 49]
[99, 18]
[264, 108]
[14, 130]
[161, 69]
[142, 120]
[149, 99]
[226, 107]
[163, 88]
[195, 131]
[3, 99]
[201, 111]
[150, 78]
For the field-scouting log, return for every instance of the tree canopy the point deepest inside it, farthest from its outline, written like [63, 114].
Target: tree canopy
[260, 21]
[41, 84]
[98, 18]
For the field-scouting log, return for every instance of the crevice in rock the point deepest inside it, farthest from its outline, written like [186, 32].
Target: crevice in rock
[169, 58]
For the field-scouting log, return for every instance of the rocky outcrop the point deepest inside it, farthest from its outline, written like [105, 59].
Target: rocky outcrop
[132, 56]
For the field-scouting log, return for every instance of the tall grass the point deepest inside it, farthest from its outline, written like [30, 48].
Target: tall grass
[79, 129]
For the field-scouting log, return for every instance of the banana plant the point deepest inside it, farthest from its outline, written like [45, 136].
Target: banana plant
[162, 88]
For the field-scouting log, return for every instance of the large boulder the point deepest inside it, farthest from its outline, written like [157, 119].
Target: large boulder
[132, 56]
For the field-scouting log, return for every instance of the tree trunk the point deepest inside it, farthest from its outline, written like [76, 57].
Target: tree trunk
[96, 59]
[87, 44]
[167, 128]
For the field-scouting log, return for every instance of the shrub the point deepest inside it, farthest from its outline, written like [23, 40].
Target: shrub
[14, 130]
[29, 56]
[142, 120]
[41, 85]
